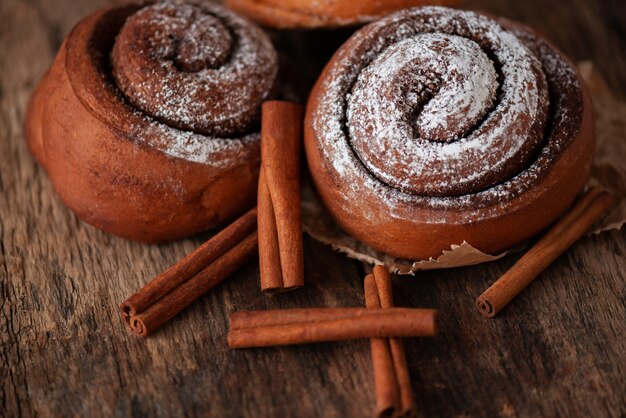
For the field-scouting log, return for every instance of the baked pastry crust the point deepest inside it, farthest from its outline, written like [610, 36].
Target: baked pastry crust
[398, 208]
[145, 174]
[291, 14]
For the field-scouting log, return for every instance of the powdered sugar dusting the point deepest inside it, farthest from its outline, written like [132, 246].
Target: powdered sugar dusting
[190, 146]
[350, 138]
[456, 85]
[195, 75]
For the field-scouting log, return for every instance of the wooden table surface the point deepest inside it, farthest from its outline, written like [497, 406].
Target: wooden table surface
[558, 350]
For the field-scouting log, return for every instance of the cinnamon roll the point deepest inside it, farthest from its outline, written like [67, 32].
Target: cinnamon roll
[148, 120]
[285, 14]
[435, 126]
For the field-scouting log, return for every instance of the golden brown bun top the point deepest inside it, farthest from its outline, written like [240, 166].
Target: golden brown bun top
[286, 14]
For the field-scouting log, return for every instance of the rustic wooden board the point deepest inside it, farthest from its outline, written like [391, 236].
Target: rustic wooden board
[65, 352]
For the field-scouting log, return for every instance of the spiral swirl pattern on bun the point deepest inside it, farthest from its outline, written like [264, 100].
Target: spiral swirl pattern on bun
[148, 120]
[194, 67]
[442, 125]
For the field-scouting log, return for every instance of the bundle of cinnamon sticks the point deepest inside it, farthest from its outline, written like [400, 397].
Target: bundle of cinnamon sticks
[379, 321]
[394, 396]
[281, 259]
[184, 282]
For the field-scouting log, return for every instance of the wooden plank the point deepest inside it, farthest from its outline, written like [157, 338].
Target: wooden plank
[65, 352]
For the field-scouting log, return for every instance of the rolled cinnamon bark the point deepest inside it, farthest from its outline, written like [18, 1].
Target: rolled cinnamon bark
[190, 265]
[251, 319]
[385, 380]
[184, 282]
[281, 138]
[178, 299]
[269, 253]
[393, 322]
[589, 208]
[382, 279]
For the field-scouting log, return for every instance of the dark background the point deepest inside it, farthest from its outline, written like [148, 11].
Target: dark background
[557, 350]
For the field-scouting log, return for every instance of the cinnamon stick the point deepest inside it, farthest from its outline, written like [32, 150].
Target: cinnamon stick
[269, 254]
[178, 299]
[382, 280]
[589, 208]
[279, 185]
[251, 319]
[385, 381]
[341, 324]
[185, 281]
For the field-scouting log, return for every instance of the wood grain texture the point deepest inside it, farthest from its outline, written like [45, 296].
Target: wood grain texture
[64, 351]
